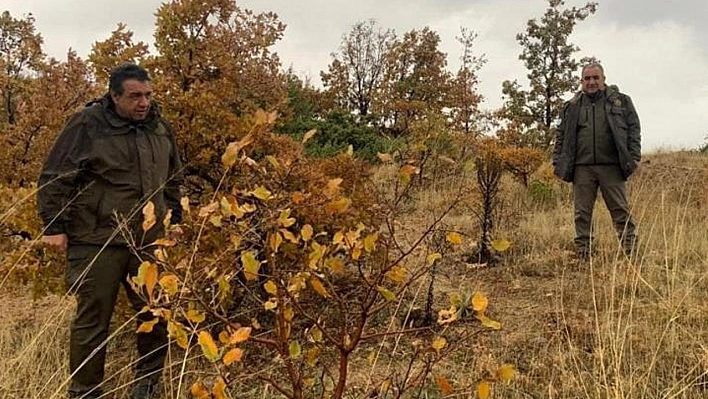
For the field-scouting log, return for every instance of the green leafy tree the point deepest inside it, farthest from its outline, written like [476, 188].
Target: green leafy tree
[548, 55]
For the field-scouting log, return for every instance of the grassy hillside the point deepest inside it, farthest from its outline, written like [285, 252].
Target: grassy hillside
[612, 328]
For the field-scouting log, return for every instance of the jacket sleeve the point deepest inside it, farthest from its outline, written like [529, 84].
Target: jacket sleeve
[634, 139]
[173, 193]
[58, 176]
[560, 135]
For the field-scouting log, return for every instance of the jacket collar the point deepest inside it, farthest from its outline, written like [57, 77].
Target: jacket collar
[115, 120]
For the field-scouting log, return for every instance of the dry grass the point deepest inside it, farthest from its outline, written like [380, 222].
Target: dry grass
[612, 329]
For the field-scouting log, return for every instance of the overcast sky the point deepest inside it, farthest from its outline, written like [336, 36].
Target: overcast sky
[654, 50]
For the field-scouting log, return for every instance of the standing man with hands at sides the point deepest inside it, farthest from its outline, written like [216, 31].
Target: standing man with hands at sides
[598, 145]
[112, 157]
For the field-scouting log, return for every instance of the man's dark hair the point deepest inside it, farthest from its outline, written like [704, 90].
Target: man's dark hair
[125, 72]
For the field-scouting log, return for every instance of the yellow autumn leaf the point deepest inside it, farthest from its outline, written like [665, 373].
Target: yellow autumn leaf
[288, 235]
[261, 193]
[169, 283]
[273, 161]
[147, 273]
[270, 287]
[506, 372]
[430, 259]
[240, 335]
[224, 337]
[388, 295]
[232, 356]
[195, 316]
[294, 349]
[176, 332]
[219, 389]
[184, 203]
[439, 343]
[165, 242]
[318, 287]
[270, 304]
[231, 154]
[316, 334]
[208, 209]
[479, 302]
[489, 323]
[251, 265]
[284, 219]
[208, 345]
[370, 242]
[384, 157]
[338, 206]
[501, 245]
[446, 316]
[484, 390]
[199, 391]
[312, 355]
[397, 274]
[146, 327]
[215, 220]
[308, 136]
[443, 384]
[274, 241]
[149, 219]
[454, 238]
[306, 232]
[356, 252]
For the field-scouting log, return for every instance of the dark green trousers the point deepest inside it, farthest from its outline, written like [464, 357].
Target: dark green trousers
[608, 178]
[94, 276]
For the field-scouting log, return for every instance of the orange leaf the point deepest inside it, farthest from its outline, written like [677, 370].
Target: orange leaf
[443, 384]
[318, 287]
[232, 356]
[240, 335]
[198, 390]
[147, 326]
[484, 390]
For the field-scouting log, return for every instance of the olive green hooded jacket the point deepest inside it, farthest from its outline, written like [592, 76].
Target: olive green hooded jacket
[101, 172]
[624, 126]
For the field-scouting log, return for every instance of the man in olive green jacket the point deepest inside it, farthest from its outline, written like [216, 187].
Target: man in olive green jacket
[112, 157]
[598, 145]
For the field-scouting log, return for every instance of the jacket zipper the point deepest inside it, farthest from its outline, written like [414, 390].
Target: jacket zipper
[594, 141]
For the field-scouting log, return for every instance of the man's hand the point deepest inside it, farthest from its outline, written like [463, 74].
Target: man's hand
[57, 241]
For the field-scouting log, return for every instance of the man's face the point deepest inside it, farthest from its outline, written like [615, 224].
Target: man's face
[593, 80]
[134, 103]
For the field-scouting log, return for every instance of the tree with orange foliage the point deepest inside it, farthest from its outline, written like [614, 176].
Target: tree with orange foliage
[214, 64]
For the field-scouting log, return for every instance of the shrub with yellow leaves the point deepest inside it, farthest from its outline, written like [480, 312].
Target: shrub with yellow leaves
[285, 269]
